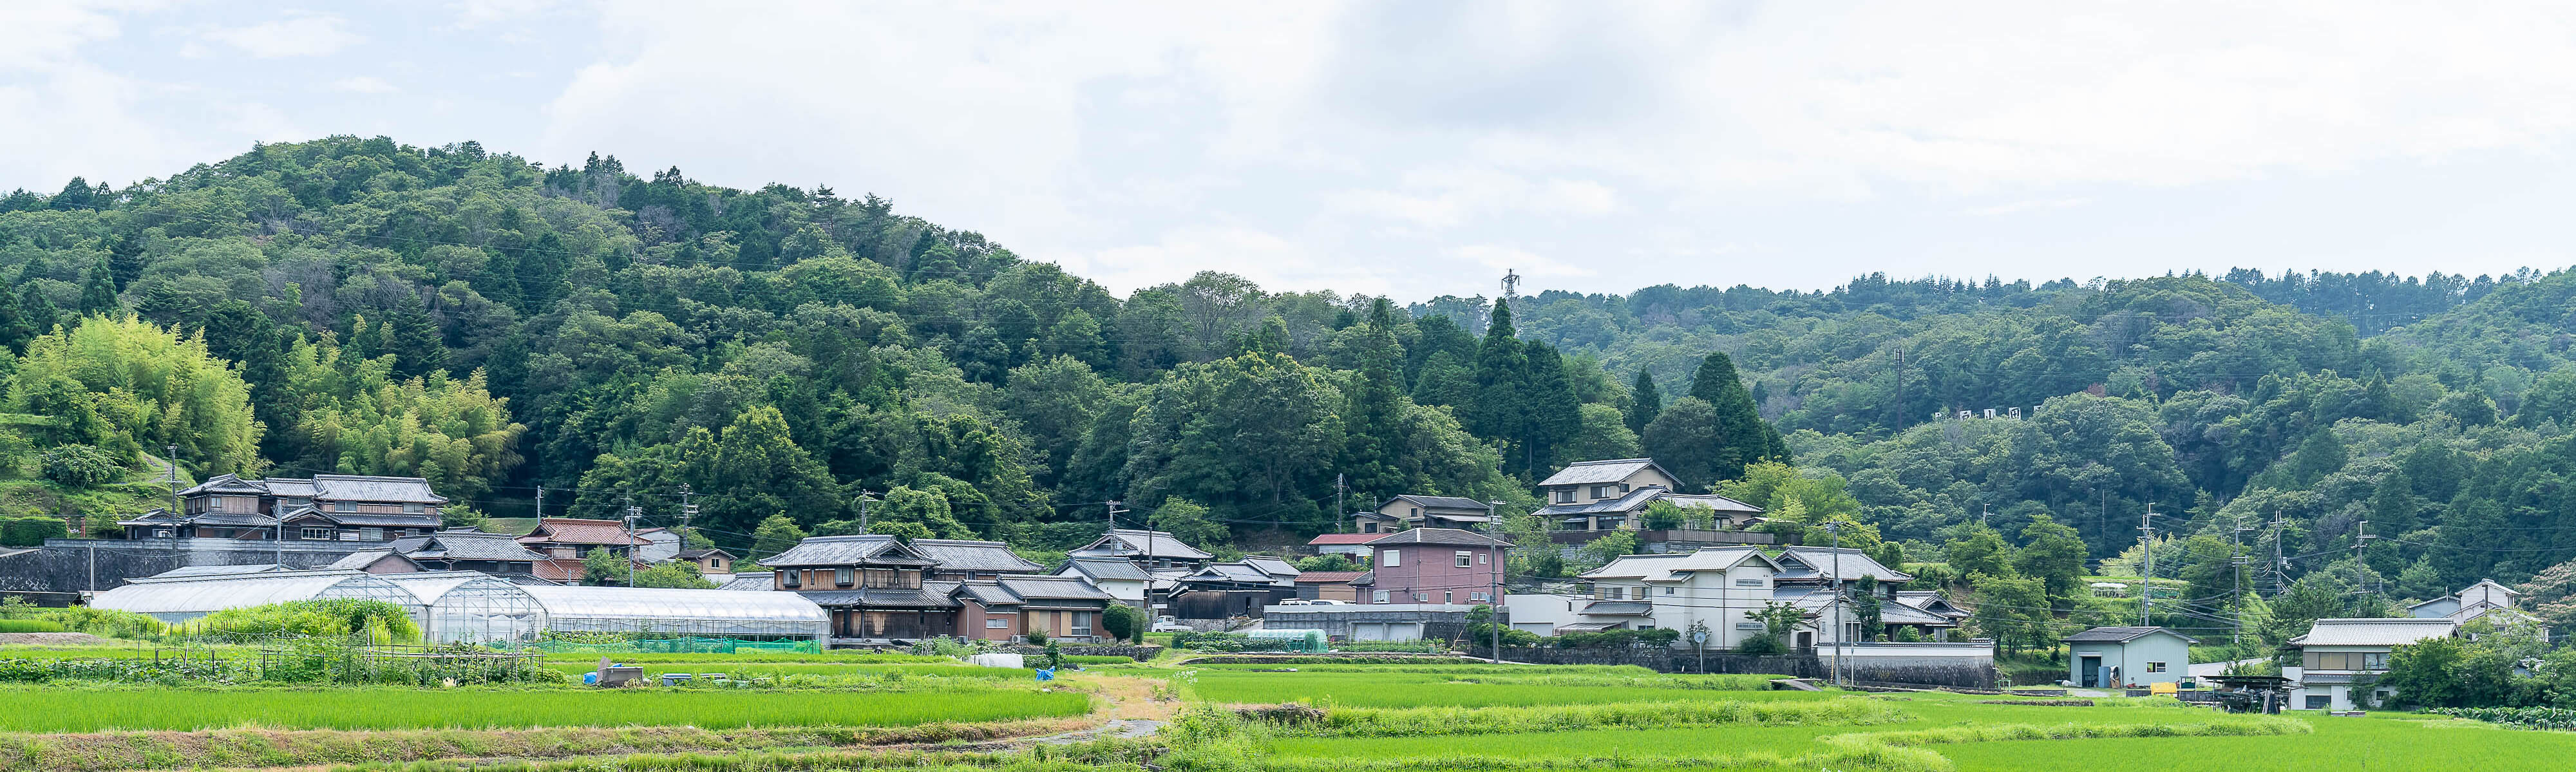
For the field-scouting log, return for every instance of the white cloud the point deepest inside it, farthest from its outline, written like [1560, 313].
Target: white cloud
[301, 36]
[1274, 262]
[364, 84]
[1498, 258]
[2031, 205]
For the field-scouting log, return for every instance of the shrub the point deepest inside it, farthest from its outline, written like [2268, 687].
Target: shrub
[31, 531]
[1037, 637]
[1761, 643]
[1123, 621]
[331, 617]
[81, 466]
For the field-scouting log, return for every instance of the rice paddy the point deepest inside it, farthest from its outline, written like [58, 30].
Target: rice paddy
[1407, 690]
[40, 710]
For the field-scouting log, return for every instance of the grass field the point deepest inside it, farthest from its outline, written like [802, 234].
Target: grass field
[742, 670]
[38, 710]
[1407, 689]
[2338, 745]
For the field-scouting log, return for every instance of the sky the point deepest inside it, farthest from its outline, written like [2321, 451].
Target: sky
[1424, 148]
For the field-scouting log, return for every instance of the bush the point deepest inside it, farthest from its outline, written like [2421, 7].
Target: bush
[1123, 621]
[1037, 638]
[333, 617]
[81, 466]
[31, 531]
[1763, 643]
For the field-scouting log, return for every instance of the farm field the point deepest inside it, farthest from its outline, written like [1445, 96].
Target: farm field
[65, 710]
[1412, 689]
[740, 670]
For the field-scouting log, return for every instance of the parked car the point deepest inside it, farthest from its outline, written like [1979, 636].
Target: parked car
[1171, 625]
[1328, 602]
[1293, 602]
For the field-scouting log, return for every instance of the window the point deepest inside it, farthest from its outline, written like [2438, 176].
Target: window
[1082, 623]
[1381, 597]
[1601, 491]
[161, 533]
[321, 534]
[1448, 596]
[1565, 496]
[1389, 558]
[1417, 511]
[371, 534]
[1368, 528]
[414, 509]
[1478, 597]
[845, 576]
[1670, 590]
[1483, 557]
[1422, 597]
[1617, 593]
[2319, 701]
[2155, 667]
[2374, 661]
[1748, 582]
[996, 623]
[1466, 559]
[1623, 487]
[344, 506]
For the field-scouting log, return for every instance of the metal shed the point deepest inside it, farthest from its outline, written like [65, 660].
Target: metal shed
[471, 607]
[183, 598]
[685, 612]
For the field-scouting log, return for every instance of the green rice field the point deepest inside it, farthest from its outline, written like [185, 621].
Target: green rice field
[759, 669]
[1406, 690]
[38, 710]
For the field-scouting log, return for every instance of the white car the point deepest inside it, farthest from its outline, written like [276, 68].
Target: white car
[1300, 602]
[1328, 602]
[1171, 625]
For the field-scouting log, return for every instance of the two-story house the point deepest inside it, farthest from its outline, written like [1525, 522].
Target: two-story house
[1718, 588]
[2485, 600]
[870, 583]
[449, 550]
[1121, 579]
[1416, 511]
[325, 507]
[1613, 495]
[566, 541]
[1809, 574]
[2338, 652]
[1014, 606]
[961, 560]
[1433, 565]
[1154, 550]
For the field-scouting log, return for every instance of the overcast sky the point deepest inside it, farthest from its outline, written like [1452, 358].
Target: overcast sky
[1422, 148]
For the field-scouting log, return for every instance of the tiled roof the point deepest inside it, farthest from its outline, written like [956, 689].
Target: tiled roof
[1897, 612]
[559, 569]
[1125, 541]
[361, 559]
[371, 519]
[965, 555]
[931, 595]
[700, 554]
[1107, 569]
[1345, 538]
[1667, 566]
[1328, 577]
[565, 530]
[1052, 588]
[1232, 572]
[751, 580]
[2121, 635]
[1629, 502]
[1442, 536]
[1610, 471]
[1821, 563]
[223, 483]
[350, 487]
[1619, 608]
[845, 551]
[2375, 632]
[1270, 565]
[1446, 502]
[463, 545]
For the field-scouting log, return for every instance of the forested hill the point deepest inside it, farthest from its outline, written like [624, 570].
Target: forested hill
[496, 325]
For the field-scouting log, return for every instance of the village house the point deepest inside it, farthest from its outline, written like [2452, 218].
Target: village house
[660, 544]
[2484, 600]
[450, 550]
[1329, 585]
[1718, 587]
[1613, 495]
[1433, 565]
[325, 507]
[2337, 654]
[1411, 511]
[2113, 657]
[711, 562]
[1120, 578]
[1807, 576]
[1011, 607]
[870, 583]
[1154, 550]
[1353, 544]
[566, 541]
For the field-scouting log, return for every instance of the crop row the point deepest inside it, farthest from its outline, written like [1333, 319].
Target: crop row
[40, 710]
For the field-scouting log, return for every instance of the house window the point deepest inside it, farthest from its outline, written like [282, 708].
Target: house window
[1670, 590]
[321, 534]
[790, 577]
[414, 509]
[1381, 596]
[345, 506]
[2319, 701]
[1483, 558]
[1448, 596]
[1466, 558]
[1389, 558]
[2374, 661]
[1478, 597]
[996, 623]
[2155, 667]
[1417, 511]
[1618, 593]
[371, 534]
[1422, 597]
[1082, 623]
[1748, 582]
[1623, 487]
[845, 576]
[1368, 528]
[161, 533]
[1565, 496]
[1754, 626]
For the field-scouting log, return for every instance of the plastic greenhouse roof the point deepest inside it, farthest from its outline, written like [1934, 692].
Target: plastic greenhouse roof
[206, 595]
[642, 603]
[430, 586]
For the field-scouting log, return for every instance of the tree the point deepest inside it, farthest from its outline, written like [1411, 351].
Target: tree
[1189, 522]
[1332, 562]
[1979, 550]
[2427, 674]
[1123, 622]
[1554, 414]
[775, 535]
[600, 568]
[926, 509]
[125, 384]
[1743, 437]
[80, 466]
[1499, 410]
[98, 290]
[1644, 402]
[673, 574]
[1604, 434]
[1867, 610]
[2053, 554]
[1687, 441]
[2012, 610]
[1374, 408]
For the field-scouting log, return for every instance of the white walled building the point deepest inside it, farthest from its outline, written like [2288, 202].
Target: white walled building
[1717, 586]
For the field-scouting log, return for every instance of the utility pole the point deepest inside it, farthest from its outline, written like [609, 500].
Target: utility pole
[689, 511]
[632, 512]
[863, 510]
[1494, 593]
[2280, 565]
[1900, 392]
[2236, 562]
[171, 462]
[541, 502]
[1339, 510]
[2147, 566]
[1835, 581]
[2361, 538]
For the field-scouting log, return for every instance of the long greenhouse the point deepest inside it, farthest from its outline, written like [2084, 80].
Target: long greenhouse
[471, 607]
[183, 598]
[668, 612]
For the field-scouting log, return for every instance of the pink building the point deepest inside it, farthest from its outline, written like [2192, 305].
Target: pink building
[1433, 565]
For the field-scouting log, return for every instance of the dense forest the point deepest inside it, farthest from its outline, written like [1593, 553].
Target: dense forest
[784, 358]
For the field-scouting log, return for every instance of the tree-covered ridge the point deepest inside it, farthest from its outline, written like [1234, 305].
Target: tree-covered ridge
[499, 326]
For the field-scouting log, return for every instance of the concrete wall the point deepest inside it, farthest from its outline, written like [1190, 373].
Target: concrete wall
[77, 565]
[1434, 621]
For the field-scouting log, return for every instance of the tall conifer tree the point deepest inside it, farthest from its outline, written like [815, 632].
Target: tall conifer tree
[1745, 437]
[1375, 411]
[1644, 401]
[1501, 364]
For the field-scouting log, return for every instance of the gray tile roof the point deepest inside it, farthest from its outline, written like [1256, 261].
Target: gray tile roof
[1442, 536]
[845, 551]
[223, 483]
[751, 580]
[1663, 567]
[360, 559]
[2121, 635]
[1272, 566]
[1126, 541]
[1106, 569]
[931, 595]
[1630, 502]
[1446, 502]
[1619, 608]
[463, 545]
[988, 593]
[1052, 588]
[1821, 563]
[1609, 471]
[2375, 632]
[1232, 572]
[382, 520]
[233, 570]
[965, 555]
[350, 487]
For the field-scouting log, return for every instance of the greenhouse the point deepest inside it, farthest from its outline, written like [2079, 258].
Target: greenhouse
[657, 613]
[182, 598]
[471, 607]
